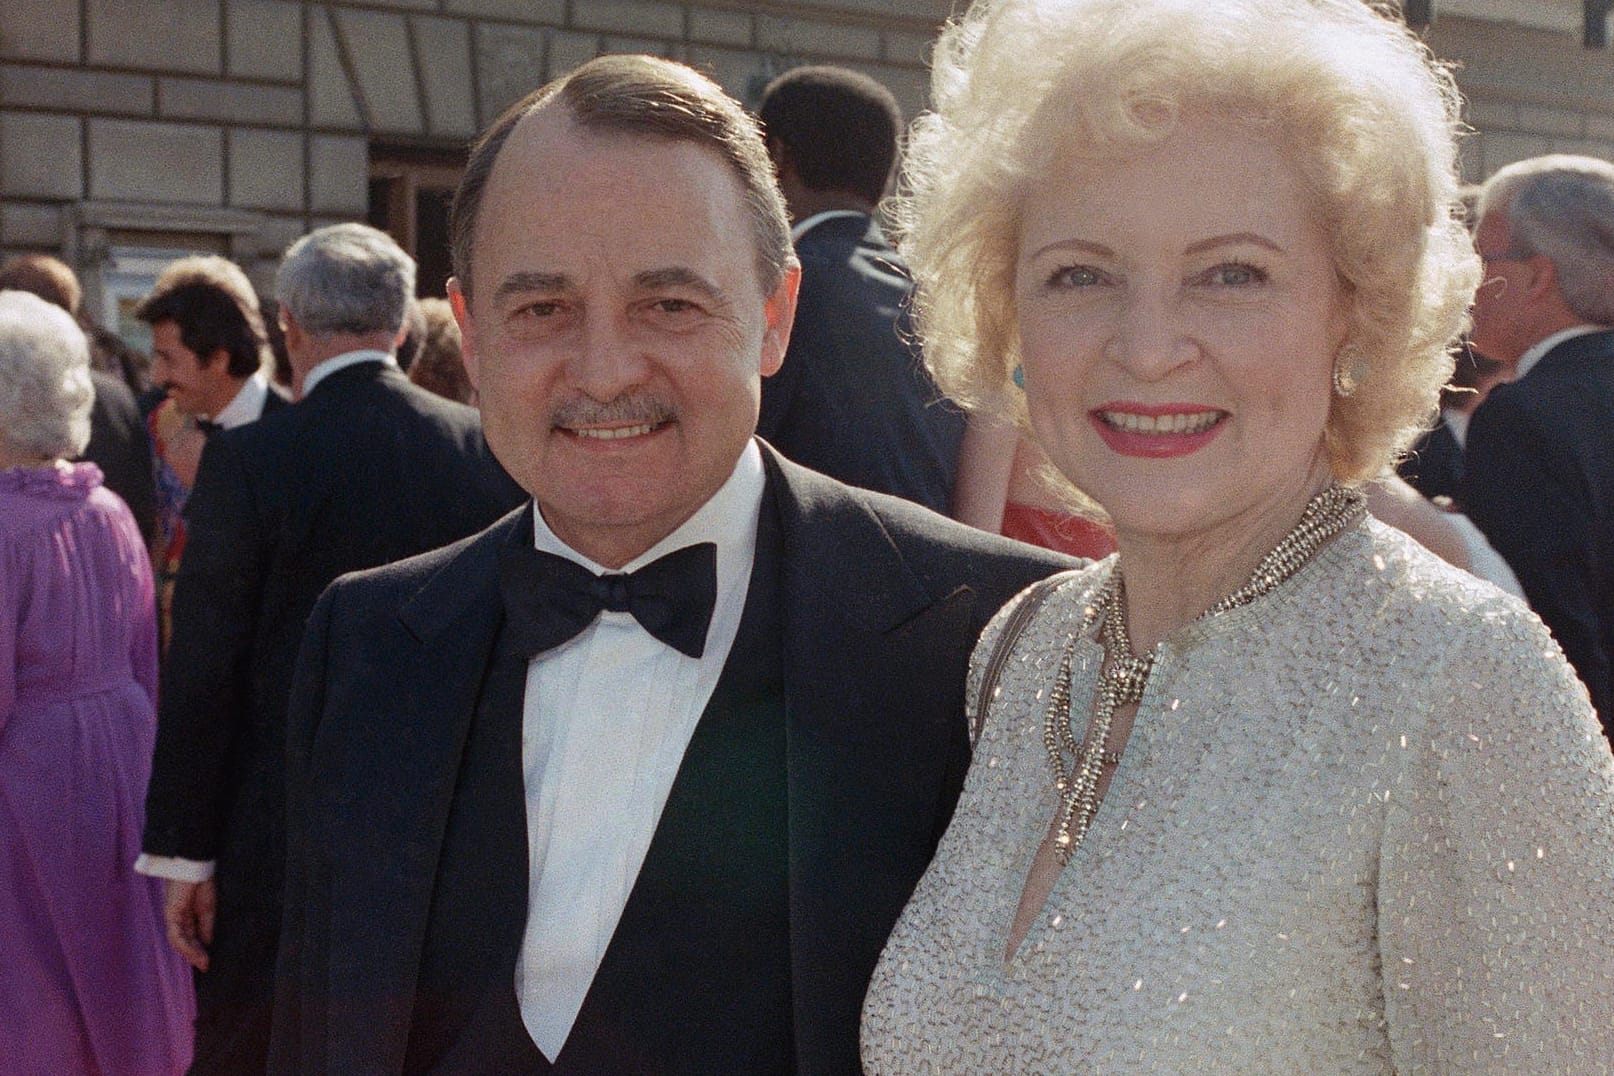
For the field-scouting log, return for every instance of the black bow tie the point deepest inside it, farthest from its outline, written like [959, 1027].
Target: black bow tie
[208, 427]
[549, 599]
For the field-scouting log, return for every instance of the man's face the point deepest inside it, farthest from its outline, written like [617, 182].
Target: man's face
[619, 329]
[1499, 329]
[195, 387]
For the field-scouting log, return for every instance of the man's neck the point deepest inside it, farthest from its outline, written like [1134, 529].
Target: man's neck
[806, 203]
[322, 349]
[221, 397]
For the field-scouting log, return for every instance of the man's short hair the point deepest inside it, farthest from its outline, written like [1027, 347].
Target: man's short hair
[650, 97]
[209, 317]
[52, 279]
[1562, 206]
[841, 127]
[346, 279]
[219, 271]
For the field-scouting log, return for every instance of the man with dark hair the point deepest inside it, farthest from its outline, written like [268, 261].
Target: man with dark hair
[206, 355]
[207, 349]
[853, 399]
[118, 443]
[365, 469]
[639, 778]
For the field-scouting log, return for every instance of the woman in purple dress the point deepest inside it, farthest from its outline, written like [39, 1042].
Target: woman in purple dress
[87, 982]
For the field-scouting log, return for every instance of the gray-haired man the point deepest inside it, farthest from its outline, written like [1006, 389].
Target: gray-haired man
[365, 469]
[1540, 453]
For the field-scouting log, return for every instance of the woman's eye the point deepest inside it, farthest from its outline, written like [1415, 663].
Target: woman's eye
[1074, 276]
[1235, 274]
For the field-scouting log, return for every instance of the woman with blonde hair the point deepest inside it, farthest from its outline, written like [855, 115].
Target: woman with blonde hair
[87, 982]
[1272, 789]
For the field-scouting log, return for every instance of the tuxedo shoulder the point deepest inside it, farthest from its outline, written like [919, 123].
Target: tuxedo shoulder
[925, 534]
[390, 584]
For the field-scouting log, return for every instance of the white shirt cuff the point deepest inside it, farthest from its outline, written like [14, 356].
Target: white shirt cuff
[172, 867]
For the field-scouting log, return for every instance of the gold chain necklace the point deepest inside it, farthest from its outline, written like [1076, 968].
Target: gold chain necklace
[1124, 681]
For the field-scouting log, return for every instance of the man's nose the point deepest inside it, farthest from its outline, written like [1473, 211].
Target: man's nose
[608, 359]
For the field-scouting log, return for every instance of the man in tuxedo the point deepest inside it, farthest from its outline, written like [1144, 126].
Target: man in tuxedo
[638, 779]
[1539, 458]
[365, 469]
[208, 351]
[853, 398]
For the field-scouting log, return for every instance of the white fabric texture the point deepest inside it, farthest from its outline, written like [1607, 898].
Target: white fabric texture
[1364, 824]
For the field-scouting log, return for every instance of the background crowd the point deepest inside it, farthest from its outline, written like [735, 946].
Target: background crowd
[185, 511]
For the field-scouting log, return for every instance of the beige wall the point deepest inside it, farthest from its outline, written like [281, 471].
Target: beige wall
[246, 122]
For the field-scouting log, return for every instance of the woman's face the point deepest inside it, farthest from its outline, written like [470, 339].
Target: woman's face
[1179, 315]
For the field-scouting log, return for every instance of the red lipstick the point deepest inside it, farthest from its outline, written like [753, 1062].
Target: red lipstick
[1156, 431]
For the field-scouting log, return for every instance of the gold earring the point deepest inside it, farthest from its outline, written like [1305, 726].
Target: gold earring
[1350, 370]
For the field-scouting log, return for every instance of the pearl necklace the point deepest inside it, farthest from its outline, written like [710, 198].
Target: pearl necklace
[1123, 682]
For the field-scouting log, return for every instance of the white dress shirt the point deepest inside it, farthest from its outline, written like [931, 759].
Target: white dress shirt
[816, 219]
[247, 406]
[606, 719]
[1528, 360]
[342, 362]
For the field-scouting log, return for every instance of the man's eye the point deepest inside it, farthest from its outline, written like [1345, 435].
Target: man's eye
[672, 306]
[539, 310]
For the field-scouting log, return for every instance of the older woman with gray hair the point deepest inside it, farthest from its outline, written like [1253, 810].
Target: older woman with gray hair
[87, 981]
[1272, 789]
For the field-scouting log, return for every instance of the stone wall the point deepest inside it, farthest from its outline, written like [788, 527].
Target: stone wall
[239, 124]
[1527, 92]
[236, 125]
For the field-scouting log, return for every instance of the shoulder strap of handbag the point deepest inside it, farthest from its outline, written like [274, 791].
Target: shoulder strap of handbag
[1013, 628]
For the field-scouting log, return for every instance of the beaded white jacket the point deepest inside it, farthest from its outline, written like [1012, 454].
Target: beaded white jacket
[1364, 824]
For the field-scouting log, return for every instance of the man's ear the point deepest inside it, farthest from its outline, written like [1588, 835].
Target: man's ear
[461, 306]
[779, 313]
[292, 331]
[1543, 278]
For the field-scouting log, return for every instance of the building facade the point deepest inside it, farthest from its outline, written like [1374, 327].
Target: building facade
[132, 131]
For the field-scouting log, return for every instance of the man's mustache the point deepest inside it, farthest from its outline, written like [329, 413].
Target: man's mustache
[639, 409]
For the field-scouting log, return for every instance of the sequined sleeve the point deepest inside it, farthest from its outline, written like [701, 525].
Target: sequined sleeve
[1496, 886]
[986, 647]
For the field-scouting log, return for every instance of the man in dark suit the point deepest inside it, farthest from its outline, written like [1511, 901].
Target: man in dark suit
[1539, 458]
[638, 779]
[364, 470]
[1434, 464]
[209, 356]
[853, 399]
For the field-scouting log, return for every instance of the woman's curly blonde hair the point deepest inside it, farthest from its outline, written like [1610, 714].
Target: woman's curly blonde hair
[1359, 106]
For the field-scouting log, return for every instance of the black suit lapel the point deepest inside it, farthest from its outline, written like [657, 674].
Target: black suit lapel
[402, 768]
[863, 638]
[273, 401]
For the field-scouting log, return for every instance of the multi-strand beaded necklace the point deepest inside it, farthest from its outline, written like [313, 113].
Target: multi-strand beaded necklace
[1126, 676]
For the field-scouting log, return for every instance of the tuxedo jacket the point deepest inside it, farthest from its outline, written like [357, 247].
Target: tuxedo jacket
[1540, 485]
[366, 469]
[1434, 466]
[853, 398]
[880, 603]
